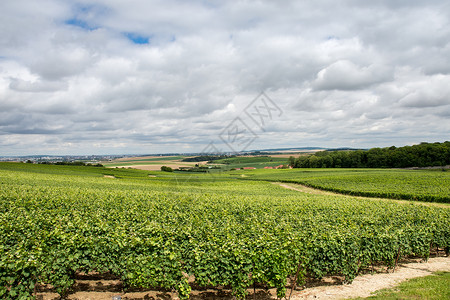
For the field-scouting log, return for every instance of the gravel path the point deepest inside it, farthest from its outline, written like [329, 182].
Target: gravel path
[364, 285]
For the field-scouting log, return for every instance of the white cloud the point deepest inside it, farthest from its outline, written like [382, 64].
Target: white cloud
[345, 74]
[430, 91]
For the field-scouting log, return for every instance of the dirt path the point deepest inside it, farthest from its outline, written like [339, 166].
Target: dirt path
[364, 285]
[305, 189]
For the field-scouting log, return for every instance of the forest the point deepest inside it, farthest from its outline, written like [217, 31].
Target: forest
[422, 155]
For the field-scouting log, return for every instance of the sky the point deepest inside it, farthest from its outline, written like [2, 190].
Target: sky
[146, 76]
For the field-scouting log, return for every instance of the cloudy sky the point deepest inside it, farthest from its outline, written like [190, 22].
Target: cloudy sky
[146, 76]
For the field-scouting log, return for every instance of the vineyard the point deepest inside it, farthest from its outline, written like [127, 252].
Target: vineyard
[160, 232]
[421, 185]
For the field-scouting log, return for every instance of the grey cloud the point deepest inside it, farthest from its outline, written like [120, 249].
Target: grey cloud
[8, 119]
[430, 92]
[23, 22]
[27, 131]
[23, 123]
[37, 86]
[444, 112]
[62, 62]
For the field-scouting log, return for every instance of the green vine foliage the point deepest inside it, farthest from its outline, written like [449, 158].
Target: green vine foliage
[154, 233]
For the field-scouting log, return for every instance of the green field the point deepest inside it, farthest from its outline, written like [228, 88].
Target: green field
[423, 185]
[141, 161]
[57, 221]
[258, 162]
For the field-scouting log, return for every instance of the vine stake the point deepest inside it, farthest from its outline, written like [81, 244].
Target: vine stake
[429, 252]
[396, 260]
[295, 281]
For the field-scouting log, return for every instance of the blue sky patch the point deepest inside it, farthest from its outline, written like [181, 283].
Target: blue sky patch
[80, 23]
[137, 39]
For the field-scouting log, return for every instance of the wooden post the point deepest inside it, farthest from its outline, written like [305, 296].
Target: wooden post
[396, 260]
[295, 280]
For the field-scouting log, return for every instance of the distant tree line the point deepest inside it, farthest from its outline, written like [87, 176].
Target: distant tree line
[208, 158]
[422, 155]
[70, 163]
[198, 168]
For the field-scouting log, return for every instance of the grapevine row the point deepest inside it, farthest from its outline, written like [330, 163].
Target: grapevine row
[153, 233]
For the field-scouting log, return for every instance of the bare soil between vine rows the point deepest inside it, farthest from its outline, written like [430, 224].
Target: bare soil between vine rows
[103, 287]
[309, 190]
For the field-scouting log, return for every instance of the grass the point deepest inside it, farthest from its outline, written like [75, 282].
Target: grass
[141, 161]
[258, 162]
[436, 286]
